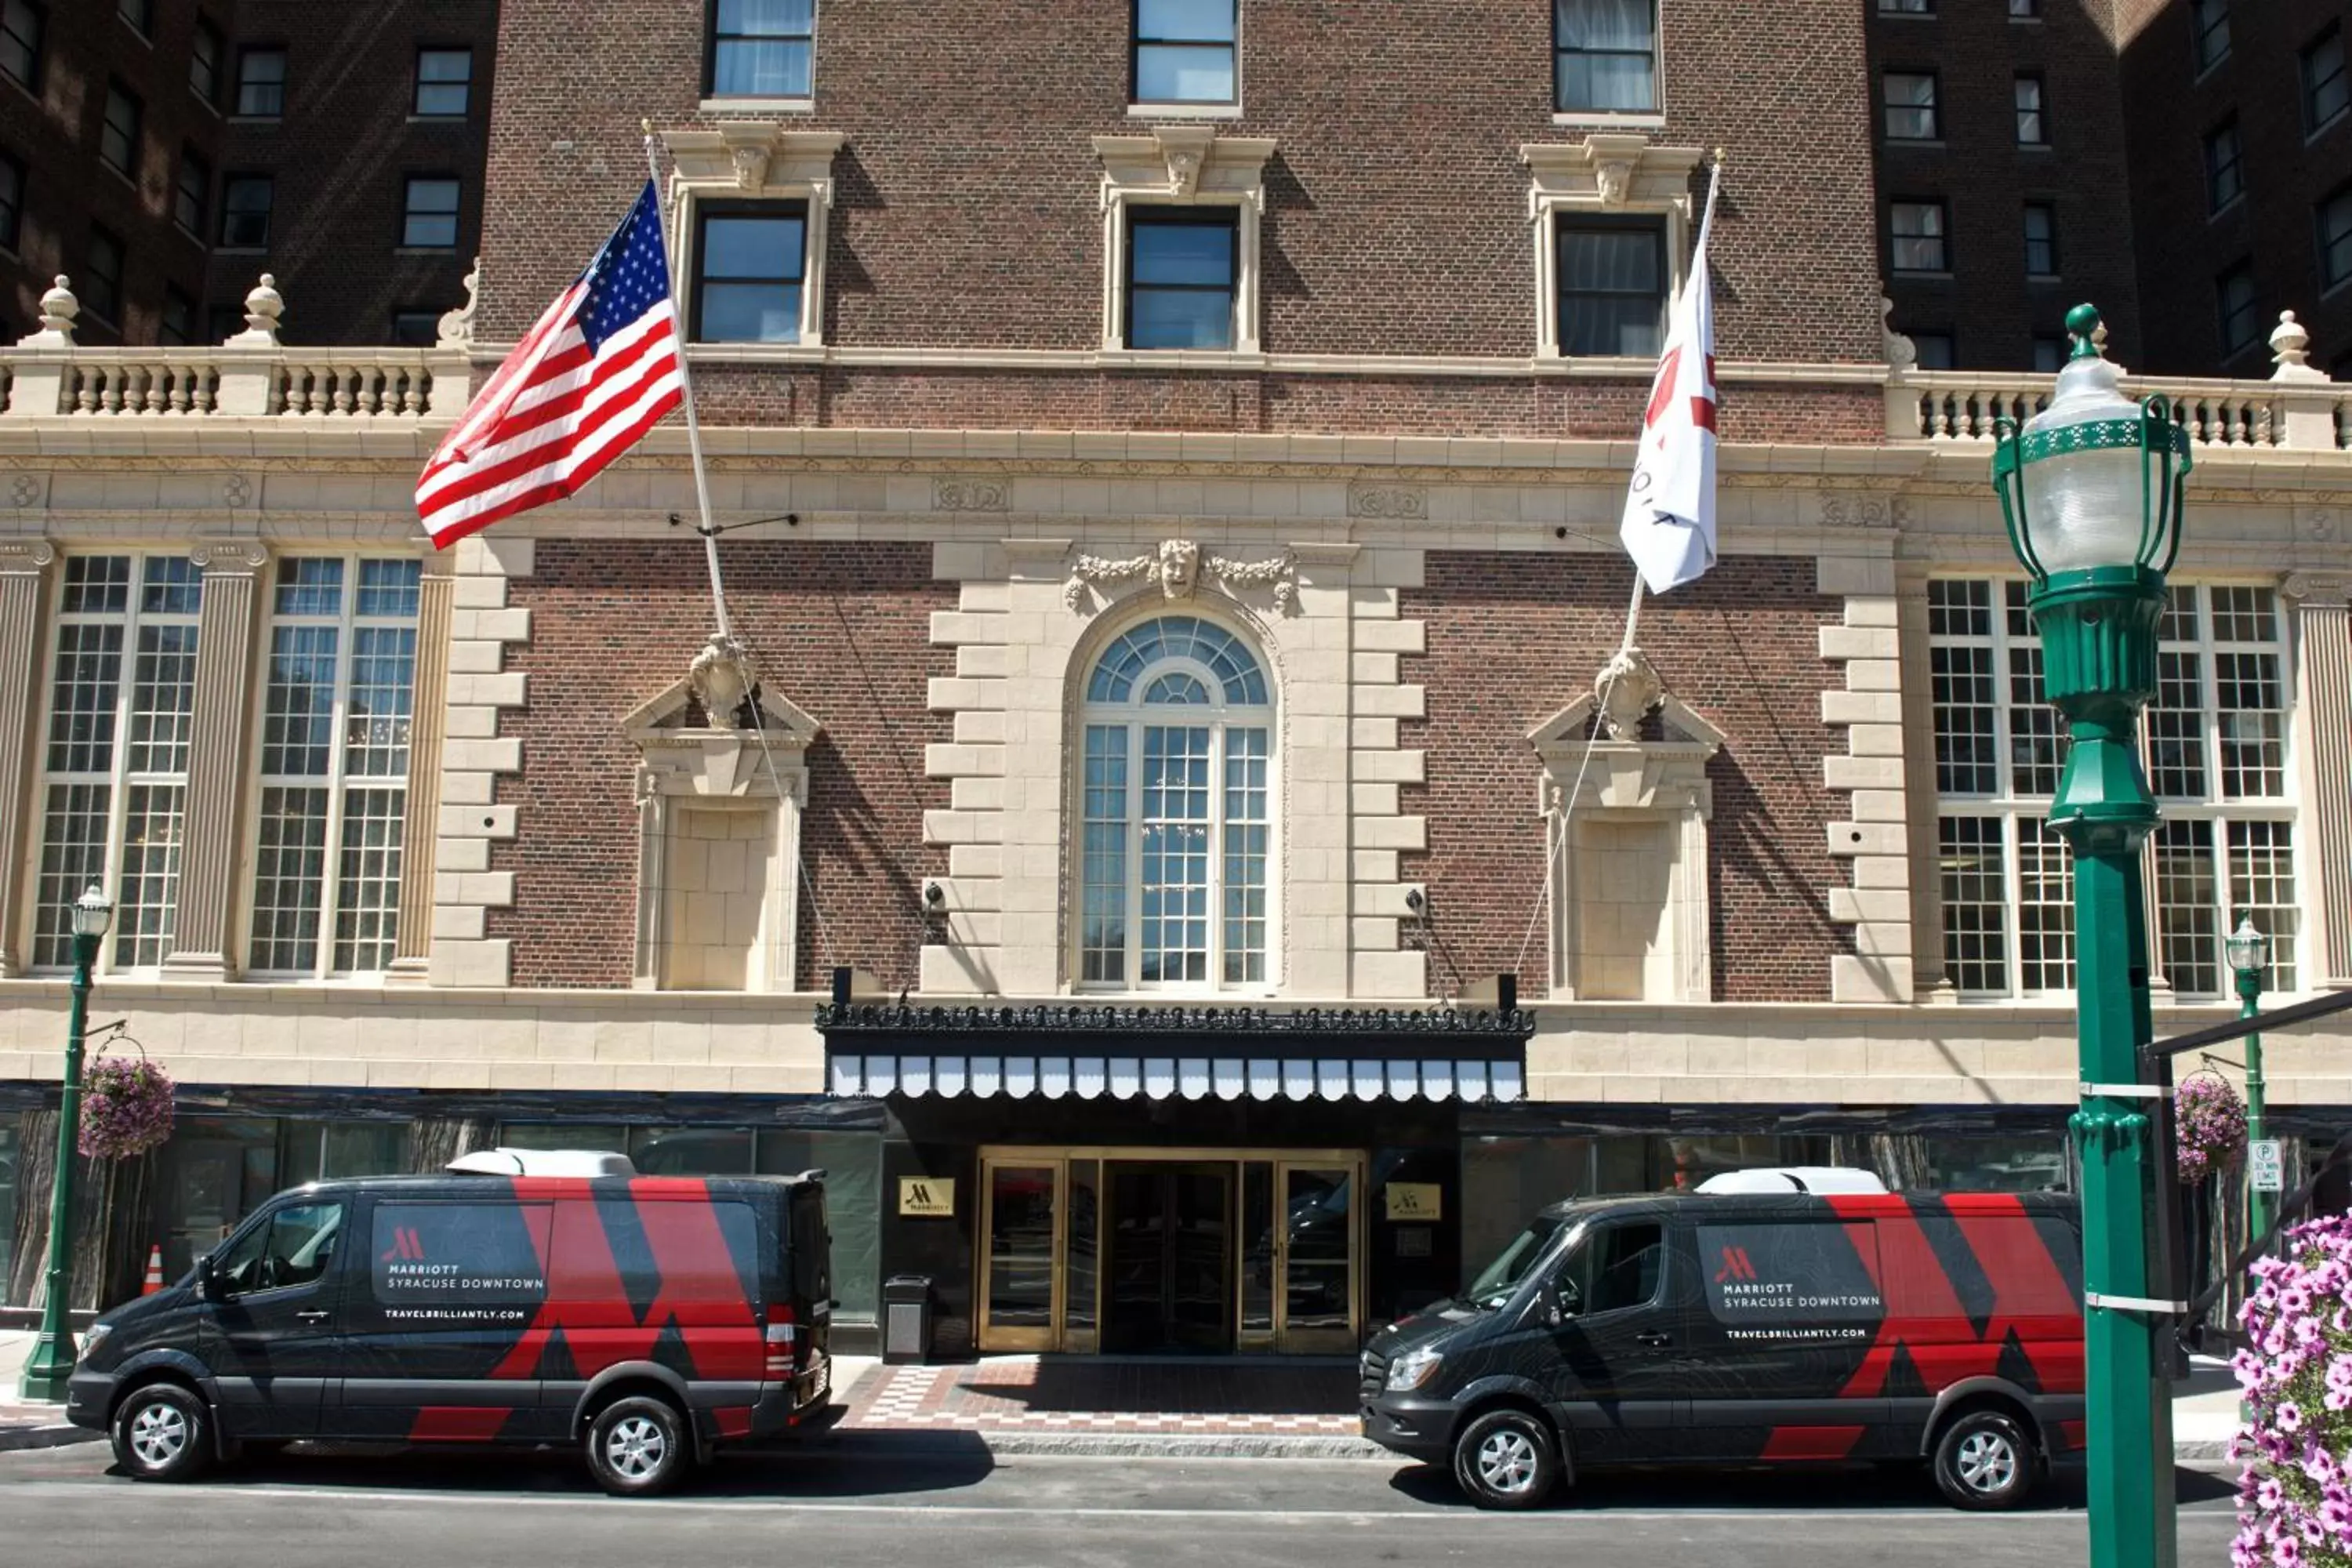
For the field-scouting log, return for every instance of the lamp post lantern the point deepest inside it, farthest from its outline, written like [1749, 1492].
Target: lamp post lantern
[2090, 490]
[52, 1362]
[2250, 956]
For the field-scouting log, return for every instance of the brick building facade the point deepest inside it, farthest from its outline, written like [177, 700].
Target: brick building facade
[1172, 485]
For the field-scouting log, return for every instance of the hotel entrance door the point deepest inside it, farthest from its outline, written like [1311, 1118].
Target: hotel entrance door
[1170, 1266]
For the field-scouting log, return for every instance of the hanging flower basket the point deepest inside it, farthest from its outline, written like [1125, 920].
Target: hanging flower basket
[2209, 1123]
[126, 1108]
[2295, 1495]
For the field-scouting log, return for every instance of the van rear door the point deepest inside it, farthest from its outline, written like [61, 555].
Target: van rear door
[808, 1258]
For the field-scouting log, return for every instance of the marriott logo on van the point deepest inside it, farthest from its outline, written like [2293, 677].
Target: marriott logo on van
[1735, 1266]
[406, 1247]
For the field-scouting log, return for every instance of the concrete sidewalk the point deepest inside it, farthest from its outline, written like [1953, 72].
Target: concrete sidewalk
[24, 1425]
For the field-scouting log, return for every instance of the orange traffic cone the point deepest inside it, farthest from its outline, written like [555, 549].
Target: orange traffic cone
[154, 1271]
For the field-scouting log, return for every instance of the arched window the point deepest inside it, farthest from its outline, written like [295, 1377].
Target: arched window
[1176, 834]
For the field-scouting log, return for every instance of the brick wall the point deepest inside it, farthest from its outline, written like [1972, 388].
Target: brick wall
[1513, 638]
[841, 629]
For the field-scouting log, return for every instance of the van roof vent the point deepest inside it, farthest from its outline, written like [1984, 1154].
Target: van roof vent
[543, 1162]
[1795, 1179]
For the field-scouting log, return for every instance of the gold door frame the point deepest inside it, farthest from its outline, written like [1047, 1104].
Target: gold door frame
[1058, 1336]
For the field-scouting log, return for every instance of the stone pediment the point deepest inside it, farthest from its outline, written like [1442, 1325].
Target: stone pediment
[1647, 751]
[685, 753]
[1679, 726]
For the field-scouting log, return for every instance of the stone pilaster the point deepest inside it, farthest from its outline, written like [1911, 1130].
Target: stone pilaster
[201, 928]
[1876, 837]
[473, 755]
[2323, 643]
[24, 574]
[420, 830]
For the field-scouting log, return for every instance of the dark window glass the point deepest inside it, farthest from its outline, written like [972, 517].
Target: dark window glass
[194, 191]
[762, 48]
[1773, 1281]
[1906, 7]
[245, 212]
[749, 268]
[2024, 10]
[2335, 215]
[1934, 350]
[416, 328]
[2234, 294]
[140, 14]
[12, 200]
[2209, 29]
[102, 293]
[296, 1246]
[178, 326]
[1612, 286]
[22, 23]
[118, 136]
[1919, 230]
[205, 62]
[261, 83]
[2224, 180]
[1180, 267]
[2049, 354]
[444, 83]
[1908, 100]
[2040, 240]
[429, 215]
[1614, 1268]
[2033, 129]
[428, 1260]
[2325, 89]
[1605, 55]
[1184, 52]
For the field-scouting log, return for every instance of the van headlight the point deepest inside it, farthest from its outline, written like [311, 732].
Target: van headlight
[1413, 1369]
[93, 1337]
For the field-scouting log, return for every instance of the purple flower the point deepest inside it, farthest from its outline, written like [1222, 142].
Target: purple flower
[126, 1109]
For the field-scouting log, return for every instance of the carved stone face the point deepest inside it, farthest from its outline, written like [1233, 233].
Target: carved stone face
[1178, 568]
[1615, 179]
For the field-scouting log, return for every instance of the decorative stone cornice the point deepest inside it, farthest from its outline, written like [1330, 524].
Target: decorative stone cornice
[757, 158]
[1187, 163]
[1610, 171]
[240, 556]
[1179, 565]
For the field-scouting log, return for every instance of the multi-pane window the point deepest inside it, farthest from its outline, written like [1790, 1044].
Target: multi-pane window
[261, 83]
[444, 83]
[1612, 285]
[1182, 266]
[2209, 31]
[245, 212]
[429, 218]
[1184, 52]
[23, 23]
[1919, 231]
[2217, 761]
[115, 781]
[12, 200]
[2334, 219]
[192, 192]
[2033, 125]
[1605, 56]
[762, 48]
[2040, 240]
[334, 765]
[117, 133]
[101, 279]
[749, 268]
[2235, 297]
[2326, 91]
[1177, 836]
[1907, 99]
[205, 54]
[2225, 180]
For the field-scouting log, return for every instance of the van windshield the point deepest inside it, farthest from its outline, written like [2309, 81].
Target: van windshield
[1499, 1279]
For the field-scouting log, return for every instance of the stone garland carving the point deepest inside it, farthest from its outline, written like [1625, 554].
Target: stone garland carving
[970, 495]
[1178, 564]
[1408, 503]
[1840, 509]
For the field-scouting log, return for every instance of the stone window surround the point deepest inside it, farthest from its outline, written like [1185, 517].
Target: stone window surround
[1612, 173]
[1184, 165]
[755, 160]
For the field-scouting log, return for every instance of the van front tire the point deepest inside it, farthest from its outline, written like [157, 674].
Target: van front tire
[1985, 1461]
[1506, 1459]
[164, 1433]
[639, 1446]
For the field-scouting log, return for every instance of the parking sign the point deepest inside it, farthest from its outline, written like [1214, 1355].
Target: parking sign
[2263, 1168]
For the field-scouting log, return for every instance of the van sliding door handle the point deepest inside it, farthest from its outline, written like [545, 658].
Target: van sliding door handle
[1653, 1339]
[316, 1315]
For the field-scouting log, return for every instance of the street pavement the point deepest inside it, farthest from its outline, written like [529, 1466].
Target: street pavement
[943, 1498]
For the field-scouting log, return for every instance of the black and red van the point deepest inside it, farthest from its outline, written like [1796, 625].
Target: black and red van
[1753, 1328]
[648, 1319]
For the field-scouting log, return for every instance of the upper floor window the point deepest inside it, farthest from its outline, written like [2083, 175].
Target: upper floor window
[749, 269]
[2033, 129]
[418, 329]
[192, 192]
[428, 219]
[205, 54]
[101, 280]
[2325, 89]
[1918, 230]
[177, 326]
[140, 14]
[2025, 10]
[1176, 842]
[1935, 351]
[1184, 52]
[1906, 7]
[118, 135]
[1908, 102]
[762, 48]
[115, 769]
[245, 212]
[2049, 353]
[2234, 297]
[2209, 31]
[2040, 240]
[2225, 182]
[22, 24]
[2334, 220]
[334, 765]
[1181, 266]
[444, 83]
[261, 83]
[12, 200]
[1605, 56]
[1612, 285]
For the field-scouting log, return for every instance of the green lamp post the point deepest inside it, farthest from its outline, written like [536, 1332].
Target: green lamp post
[2250, 956]
[2091, 491]
[52, 1362]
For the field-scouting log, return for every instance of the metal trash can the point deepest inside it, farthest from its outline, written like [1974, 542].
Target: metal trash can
[906, 1318]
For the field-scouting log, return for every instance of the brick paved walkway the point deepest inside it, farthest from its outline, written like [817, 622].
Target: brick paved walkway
[1049, 1393]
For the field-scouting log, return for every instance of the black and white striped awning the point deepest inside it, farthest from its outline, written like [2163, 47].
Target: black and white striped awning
[1175, 1053]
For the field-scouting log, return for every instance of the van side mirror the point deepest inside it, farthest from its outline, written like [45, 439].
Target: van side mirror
[208, 1282]
[1558, 1301]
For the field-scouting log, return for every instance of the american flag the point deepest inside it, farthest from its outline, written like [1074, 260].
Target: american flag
[596, 371]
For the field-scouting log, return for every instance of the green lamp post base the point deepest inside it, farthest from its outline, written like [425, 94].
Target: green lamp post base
[48, 1371]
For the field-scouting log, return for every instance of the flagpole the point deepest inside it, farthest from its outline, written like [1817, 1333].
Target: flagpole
[709, 529]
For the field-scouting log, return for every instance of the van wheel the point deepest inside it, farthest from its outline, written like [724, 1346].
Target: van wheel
[162, 1433]
[639, 1448]
[1984, 1461]
[1505, 1459]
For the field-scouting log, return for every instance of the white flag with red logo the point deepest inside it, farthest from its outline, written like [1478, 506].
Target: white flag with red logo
[1669, 523]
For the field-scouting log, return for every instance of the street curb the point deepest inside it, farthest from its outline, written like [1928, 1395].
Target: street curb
[14, 1439]
[1105, 1444]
